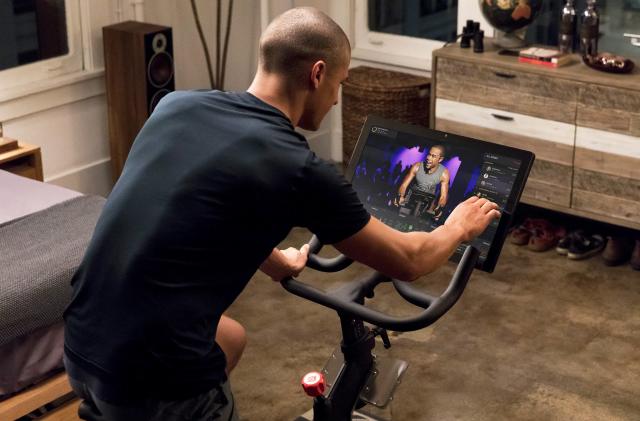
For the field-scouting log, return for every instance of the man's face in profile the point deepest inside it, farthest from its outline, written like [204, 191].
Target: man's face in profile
[434, 158]
[326, 95]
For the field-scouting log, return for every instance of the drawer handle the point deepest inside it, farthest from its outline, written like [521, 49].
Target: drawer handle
[505, 75]
[502, 117]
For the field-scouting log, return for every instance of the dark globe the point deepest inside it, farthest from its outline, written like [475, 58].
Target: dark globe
[510, 15]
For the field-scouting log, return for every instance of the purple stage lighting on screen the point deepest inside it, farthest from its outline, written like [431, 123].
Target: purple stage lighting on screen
[408, 157]
[472, 181]
[452, 165]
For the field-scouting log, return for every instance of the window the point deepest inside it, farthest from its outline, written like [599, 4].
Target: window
[40, 39]
[429, 19]
[405, 33]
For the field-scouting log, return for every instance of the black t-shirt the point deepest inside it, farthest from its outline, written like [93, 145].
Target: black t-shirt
[213, 182]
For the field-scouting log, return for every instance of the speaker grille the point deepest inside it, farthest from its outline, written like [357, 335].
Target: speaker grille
[160, 69]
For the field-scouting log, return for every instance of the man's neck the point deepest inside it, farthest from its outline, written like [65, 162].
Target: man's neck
[273, 90]
[432, 169]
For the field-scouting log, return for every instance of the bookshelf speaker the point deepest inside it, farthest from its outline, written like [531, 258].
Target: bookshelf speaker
[138, 61]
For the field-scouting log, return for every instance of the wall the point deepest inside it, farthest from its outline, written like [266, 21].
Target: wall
[191, 69]
[67, 117]
[72, 129]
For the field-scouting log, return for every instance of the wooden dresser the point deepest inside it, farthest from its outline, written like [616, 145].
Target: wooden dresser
[583, 126]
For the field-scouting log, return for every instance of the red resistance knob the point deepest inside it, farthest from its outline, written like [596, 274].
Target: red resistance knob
[313, 384]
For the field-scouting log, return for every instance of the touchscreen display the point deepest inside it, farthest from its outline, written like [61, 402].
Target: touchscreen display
[412, 183]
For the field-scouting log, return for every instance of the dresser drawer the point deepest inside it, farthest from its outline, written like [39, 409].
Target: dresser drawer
[505, 89]
[609, 153]
[610, 109]
[551, 142]
[607, 174]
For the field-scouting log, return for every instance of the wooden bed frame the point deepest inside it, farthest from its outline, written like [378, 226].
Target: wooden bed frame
[35, 397]
[25, 160]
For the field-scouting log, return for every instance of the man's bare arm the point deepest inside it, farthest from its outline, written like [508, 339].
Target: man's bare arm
[402, 191]
[407, 256]
[444, 188]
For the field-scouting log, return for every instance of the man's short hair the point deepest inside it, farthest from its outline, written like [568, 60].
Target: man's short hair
[300, 37]
[443, 150]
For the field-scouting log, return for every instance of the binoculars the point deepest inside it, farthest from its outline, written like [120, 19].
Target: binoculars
[472, 32]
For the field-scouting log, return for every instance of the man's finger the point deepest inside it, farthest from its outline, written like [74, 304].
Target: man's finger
[489, 205]
[473, 199]
[305, 249]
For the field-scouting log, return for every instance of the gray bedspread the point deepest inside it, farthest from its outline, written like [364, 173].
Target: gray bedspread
[38, 255]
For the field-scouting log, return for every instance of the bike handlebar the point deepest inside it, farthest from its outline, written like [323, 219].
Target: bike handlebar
[345, 298]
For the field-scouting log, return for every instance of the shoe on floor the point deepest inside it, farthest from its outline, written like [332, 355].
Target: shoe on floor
[565, 242]
[522, 233]
[635, 256]
[585, 246]
[617, 251]
[545, 236]
[520, 236]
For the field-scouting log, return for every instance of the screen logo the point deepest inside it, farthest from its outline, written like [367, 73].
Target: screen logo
[381, 131]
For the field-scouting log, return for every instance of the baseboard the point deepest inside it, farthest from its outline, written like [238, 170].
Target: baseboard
[93, 178]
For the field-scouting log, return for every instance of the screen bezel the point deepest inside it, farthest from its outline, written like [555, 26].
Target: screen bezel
[526, 157]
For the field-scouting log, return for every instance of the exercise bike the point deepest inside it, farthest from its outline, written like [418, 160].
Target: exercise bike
[354, 375]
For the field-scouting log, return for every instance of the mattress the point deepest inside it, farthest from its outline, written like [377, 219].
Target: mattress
[44, 231]
[31, 358]
[20, 196]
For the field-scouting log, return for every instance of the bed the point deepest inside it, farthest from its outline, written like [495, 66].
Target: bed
[44, 231]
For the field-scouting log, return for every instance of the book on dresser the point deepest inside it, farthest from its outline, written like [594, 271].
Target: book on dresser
[544, 57]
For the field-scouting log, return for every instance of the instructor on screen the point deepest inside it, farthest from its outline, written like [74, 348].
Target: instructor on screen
[428, 174]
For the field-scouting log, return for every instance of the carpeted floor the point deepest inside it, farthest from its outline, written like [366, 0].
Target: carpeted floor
[542, 338]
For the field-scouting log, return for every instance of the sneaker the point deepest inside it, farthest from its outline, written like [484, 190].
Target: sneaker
[585, 246]
[617, 251]
[565, 242]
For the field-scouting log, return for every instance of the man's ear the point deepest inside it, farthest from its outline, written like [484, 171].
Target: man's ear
[318, 72]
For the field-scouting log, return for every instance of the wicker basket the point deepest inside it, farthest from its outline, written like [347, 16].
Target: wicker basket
[388, 94]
